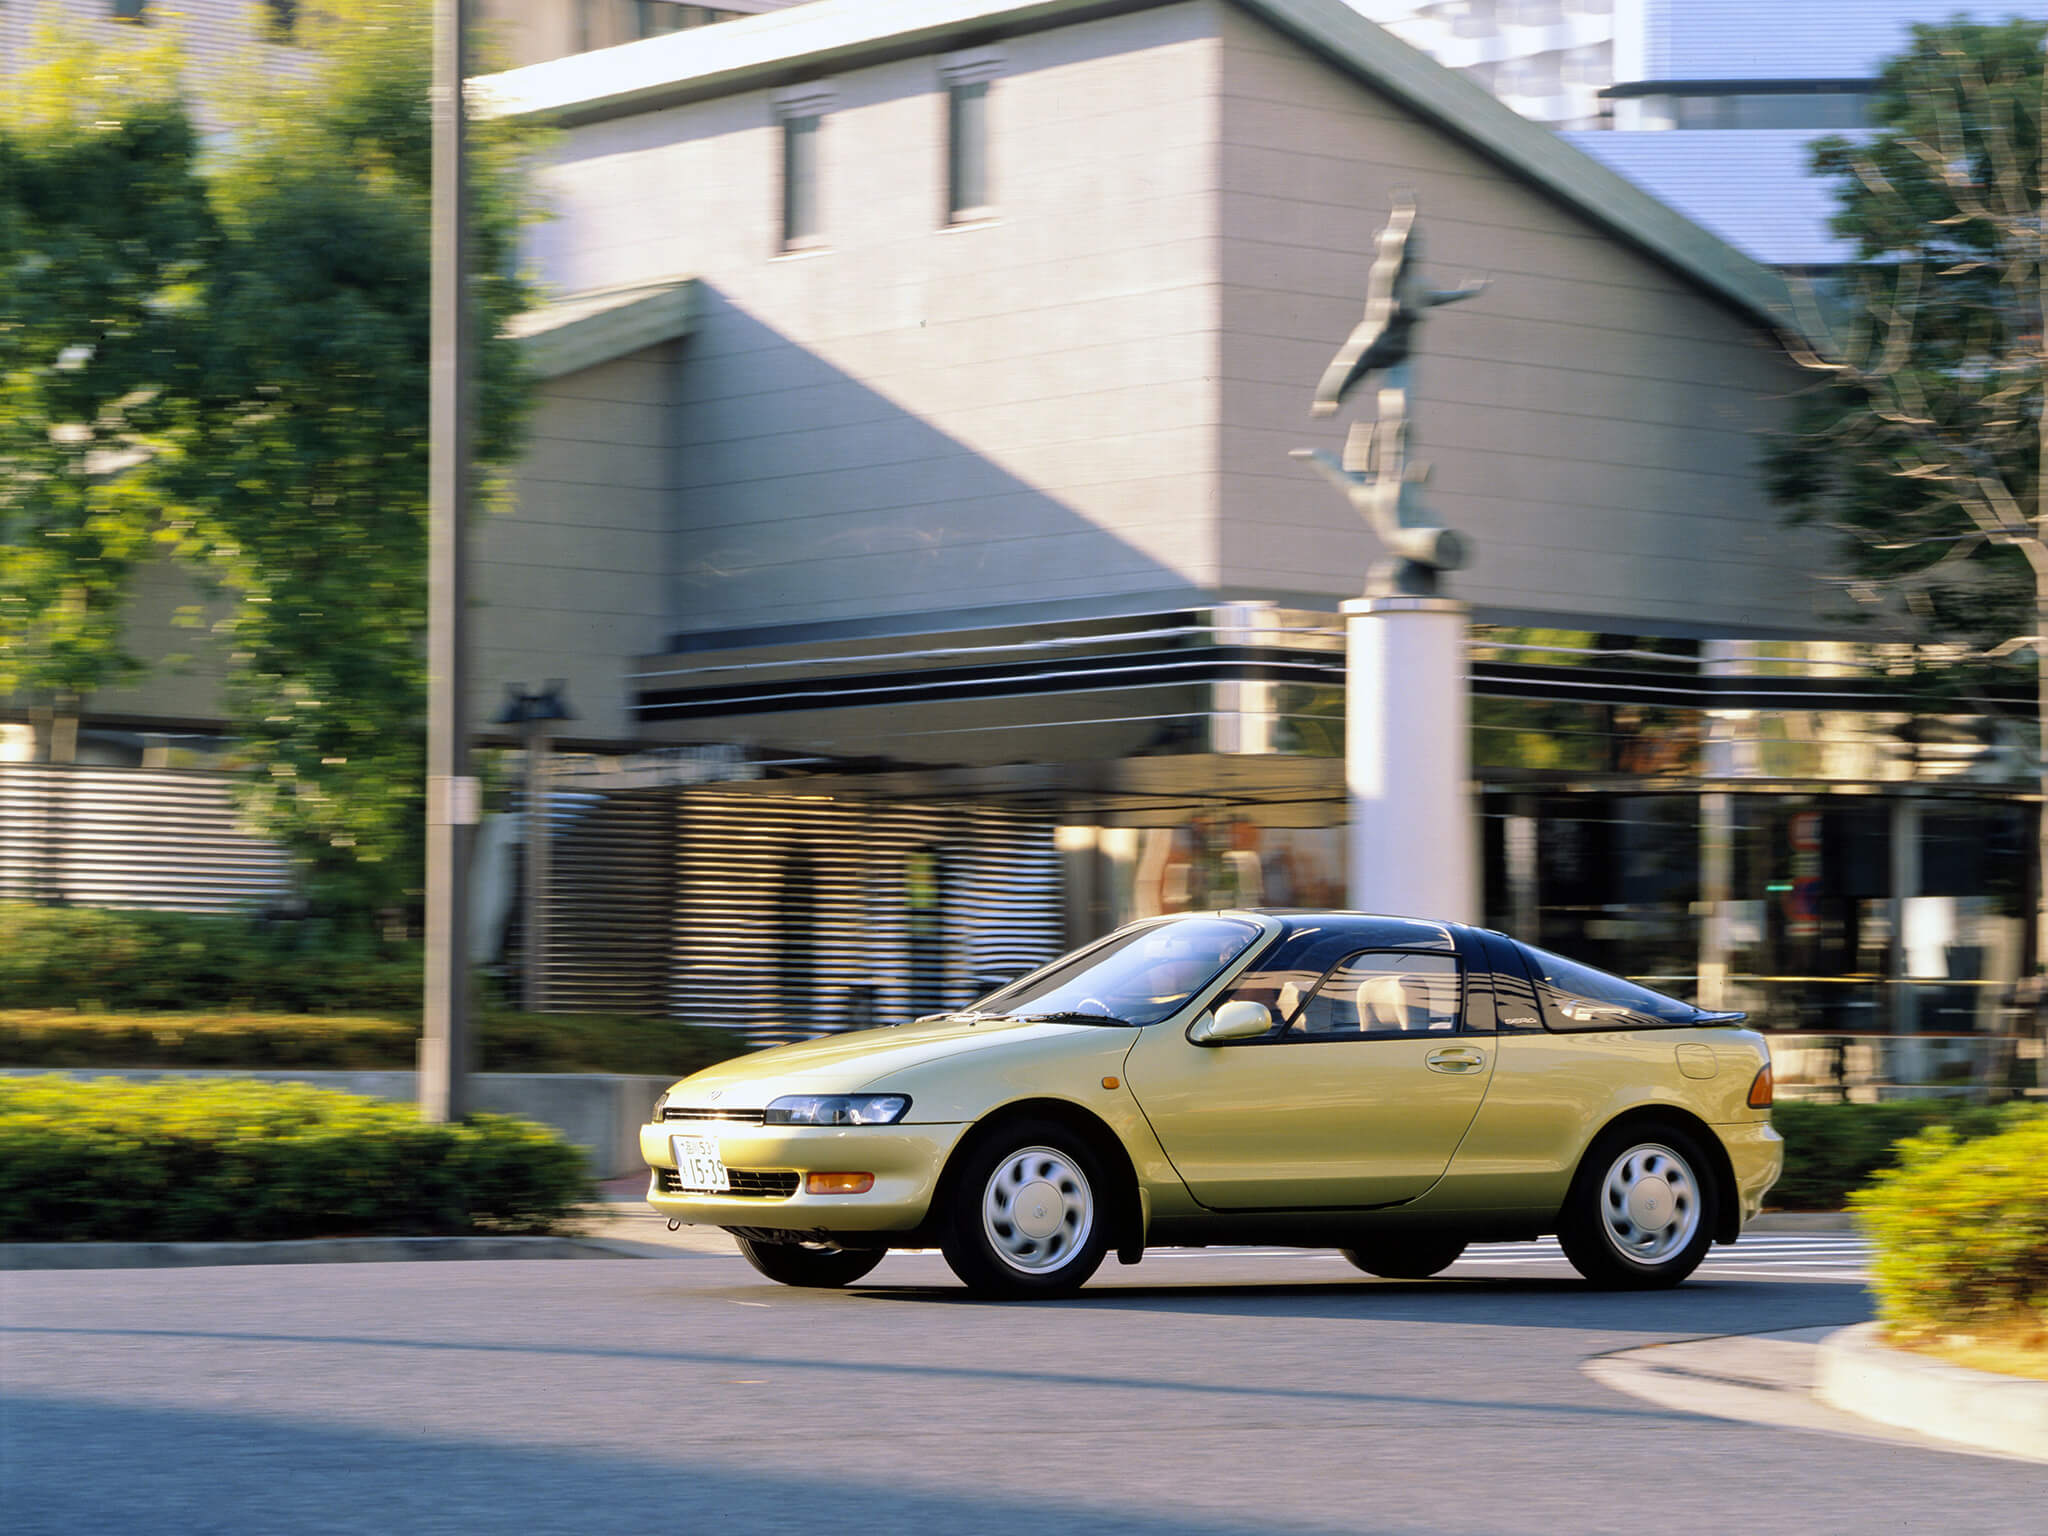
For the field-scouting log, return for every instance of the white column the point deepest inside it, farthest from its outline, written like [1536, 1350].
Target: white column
[1407, 750]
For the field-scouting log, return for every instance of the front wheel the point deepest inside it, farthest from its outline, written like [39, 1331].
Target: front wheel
[1642, 1211]
[808, 1264]
[1026, 1215]
[1406, 1258]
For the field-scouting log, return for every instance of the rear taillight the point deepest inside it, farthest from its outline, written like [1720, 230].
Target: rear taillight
[1760, 1089]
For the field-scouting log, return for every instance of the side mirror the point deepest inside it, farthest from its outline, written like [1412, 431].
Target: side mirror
[1241, 1020]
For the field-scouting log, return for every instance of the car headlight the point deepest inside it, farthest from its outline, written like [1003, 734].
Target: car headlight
[838, 1109]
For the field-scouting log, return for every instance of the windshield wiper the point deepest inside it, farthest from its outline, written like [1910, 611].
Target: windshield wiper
[1073, 1017]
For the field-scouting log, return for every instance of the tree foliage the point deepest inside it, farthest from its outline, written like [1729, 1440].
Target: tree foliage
[226, 357]
[104, 228]
[1920, 442]
[307, 467]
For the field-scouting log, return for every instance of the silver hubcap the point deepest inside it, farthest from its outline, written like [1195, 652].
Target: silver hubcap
[1037, 1210]
[1649, 1204]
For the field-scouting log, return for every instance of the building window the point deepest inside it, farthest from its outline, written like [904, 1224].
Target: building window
[969, 194]
[802, 113]
[654, 17]
[800, 226]
[967, 152]
[136, 11]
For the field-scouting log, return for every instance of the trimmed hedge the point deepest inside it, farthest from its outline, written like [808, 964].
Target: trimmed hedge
[105, 960]
[1960, 1230]
[175, 1161]
[506, 1042]
[1834, 1149]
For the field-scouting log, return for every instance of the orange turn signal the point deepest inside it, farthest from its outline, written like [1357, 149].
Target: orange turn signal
[1760, 1090]
[838, 1183]
[1109, 1082]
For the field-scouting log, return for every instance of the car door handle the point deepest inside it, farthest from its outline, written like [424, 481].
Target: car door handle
[1457, 1058]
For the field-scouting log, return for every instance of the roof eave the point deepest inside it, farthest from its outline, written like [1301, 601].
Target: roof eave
[1458, 106]
[581, 331]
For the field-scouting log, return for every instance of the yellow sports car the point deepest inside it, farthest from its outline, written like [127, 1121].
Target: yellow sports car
[1389, 1087]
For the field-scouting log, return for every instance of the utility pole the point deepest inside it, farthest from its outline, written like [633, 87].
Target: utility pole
[2040, 196]
[451, 791]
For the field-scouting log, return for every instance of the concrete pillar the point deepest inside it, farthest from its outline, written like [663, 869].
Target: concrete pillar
[1717, 889]
[1407, 750]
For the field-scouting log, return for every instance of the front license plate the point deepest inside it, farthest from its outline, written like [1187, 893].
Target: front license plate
[698, 1166]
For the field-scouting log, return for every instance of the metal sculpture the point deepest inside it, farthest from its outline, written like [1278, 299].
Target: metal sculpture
[1375, 474]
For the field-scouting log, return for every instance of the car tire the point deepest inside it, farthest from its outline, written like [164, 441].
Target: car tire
[1028, 1212]
[1406, 1258]
[809, 1264]
[1642, 1209]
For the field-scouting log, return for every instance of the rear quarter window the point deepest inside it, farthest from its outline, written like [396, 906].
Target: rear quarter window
[1580, 997]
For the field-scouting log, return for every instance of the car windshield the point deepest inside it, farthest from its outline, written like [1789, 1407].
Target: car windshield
[1138, 977]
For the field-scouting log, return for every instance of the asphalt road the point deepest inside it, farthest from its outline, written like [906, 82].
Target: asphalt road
[1221, 1393]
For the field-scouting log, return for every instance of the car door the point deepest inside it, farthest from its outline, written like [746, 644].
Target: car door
[1357, 1096]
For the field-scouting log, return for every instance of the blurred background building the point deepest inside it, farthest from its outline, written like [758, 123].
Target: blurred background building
[1713, 106]
[909, 513]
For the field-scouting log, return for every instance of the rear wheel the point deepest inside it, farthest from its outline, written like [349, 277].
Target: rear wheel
[808, 1264]
[1641, 1213]
[1027, 1214]
[1406, 1258]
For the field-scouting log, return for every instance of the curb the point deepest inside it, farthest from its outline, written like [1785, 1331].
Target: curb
[1801, 1221]
[1860, 1374]
[318, 1250]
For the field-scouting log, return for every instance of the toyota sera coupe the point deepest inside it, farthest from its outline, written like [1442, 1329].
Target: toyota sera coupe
[1389, 1087]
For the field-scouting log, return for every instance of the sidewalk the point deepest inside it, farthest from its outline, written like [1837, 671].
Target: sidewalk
[1840, 1381]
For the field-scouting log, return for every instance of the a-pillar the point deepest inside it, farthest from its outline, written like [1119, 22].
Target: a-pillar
[1408, 753]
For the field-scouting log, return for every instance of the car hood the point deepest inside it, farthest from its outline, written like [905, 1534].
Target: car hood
[844, 1063]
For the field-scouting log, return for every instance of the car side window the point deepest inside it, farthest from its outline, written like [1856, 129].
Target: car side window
[1386, 993]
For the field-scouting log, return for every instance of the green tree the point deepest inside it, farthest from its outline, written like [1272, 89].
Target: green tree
[104, 226]
[306, 460]
[1920, 442]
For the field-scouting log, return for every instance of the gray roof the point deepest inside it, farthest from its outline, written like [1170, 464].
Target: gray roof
[1793, 39]
[581, 330]
[1752, 188]
[807, 40]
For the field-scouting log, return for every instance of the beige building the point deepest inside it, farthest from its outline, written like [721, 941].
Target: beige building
[1083, 392]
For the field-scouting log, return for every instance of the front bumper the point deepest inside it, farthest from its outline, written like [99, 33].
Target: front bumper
[1757, 1154]
[906, 1161]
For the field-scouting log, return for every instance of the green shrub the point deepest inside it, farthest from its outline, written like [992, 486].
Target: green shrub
[1832, 1149]
[100, 959]
[212, 1161]
[1960, 1230]
[507, 1042]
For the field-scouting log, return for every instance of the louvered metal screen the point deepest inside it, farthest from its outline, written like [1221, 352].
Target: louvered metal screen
[130, 837]
[795, 916]
[611, 874]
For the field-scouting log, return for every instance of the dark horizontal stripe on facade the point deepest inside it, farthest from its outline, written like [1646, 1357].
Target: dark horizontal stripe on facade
[999, 680]
[1254, 664]
[1685, 690]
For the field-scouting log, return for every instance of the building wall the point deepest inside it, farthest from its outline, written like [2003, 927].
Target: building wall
[572, 578]
[917, 417]
[217, 38]
[168, 626]
[1594, 420]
